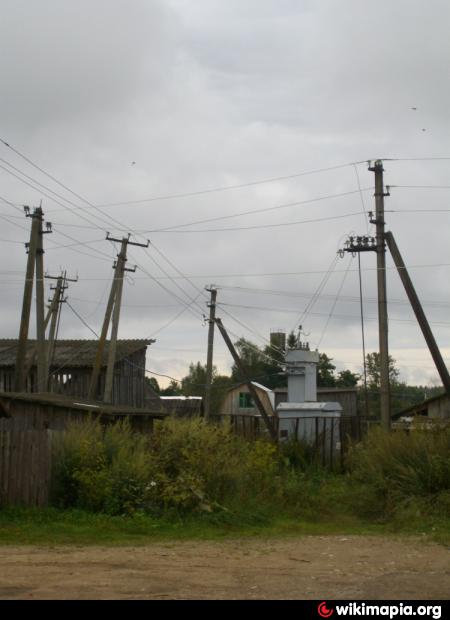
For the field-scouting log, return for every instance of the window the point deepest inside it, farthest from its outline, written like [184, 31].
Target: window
[245, 400]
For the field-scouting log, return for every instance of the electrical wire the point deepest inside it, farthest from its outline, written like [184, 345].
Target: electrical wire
[228, 187]
[260, 226]
[322, 335]
[262, 210]
[317, 293]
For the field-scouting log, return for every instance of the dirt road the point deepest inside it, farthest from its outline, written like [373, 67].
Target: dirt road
[311, 567]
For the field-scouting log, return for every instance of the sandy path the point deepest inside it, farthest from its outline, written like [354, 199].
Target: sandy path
[311, 567]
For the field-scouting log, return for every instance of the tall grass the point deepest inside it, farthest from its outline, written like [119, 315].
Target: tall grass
[189, 467]
[393, 469]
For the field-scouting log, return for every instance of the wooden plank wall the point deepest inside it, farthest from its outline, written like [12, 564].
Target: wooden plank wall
[25, 465]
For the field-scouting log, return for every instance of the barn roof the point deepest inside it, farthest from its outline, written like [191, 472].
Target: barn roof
[72, 353]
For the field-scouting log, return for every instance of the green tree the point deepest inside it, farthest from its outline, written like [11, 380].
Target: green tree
[292, 340]
[325, 371]
[173, 389]
[347, 379]
[263, 365]
[373, 371]
[153, 383]
[194, 384]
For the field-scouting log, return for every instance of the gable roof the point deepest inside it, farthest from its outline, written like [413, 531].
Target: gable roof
[72, 353]
[256, 385]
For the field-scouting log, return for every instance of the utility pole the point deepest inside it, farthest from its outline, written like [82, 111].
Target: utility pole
[418, 311]
[209, 360]
[377, 244]
[114, 303]
[34, 261]
[385, 405]
[245, 376]
[54, 314]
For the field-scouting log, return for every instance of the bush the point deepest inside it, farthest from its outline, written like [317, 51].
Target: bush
[185, 465]
[100, 468]
[391, 470]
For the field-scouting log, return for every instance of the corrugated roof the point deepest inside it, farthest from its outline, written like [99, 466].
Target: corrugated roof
[72, 353]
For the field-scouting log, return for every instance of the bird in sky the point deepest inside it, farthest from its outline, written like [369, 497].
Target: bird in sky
[133, 163]
[413, 108]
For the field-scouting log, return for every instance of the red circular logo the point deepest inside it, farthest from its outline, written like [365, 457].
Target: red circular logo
[324, 611]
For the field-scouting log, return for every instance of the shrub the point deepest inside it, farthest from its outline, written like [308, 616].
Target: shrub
[392, 469]
[101, 468]
[185, 465]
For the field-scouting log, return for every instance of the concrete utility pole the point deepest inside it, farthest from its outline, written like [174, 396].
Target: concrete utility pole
[246, 378]
[209, 360]
[418, 311]
[34, 261]
[114, 303]
[385, 404]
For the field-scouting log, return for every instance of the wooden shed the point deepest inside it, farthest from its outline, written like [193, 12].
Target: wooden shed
[239, 401]
[435, 408]
[71, 368]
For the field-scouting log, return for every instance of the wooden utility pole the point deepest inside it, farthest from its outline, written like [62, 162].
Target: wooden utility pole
[385, 405]
[34, 261]
[114, 303]
[246, 378]
[54, 314]
[418, 311]
[120, 269]
[209, 360]
[40, 316]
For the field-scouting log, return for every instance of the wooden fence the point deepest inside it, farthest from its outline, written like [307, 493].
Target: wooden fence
[31, 423]
[25, 463]
[328, 439]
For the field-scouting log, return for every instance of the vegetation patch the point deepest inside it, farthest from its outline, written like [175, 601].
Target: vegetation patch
[195, 480]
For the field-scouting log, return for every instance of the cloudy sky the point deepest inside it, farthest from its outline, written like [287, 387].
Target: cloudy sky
[162, 116]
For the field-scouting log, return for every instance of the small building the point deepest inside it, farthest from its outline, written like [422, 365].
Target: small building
[71, 368]
[437, 407]
[239, 401]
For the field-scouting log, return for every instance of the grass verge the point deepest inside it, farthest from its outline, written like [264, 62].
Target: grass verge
[51, 527]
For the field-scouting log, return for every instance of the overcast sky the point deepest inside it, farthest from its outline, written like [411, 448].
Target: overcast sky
[157, 101]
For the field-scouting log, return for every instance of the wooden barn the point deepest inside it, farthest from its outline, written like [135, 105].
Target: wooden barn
[71, 368]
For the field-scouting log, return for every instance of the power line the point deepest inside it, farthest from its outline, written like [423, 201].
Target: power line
[260, 226]
[349, 298]
[262, 210]
[352, 317]
[68, 208]
[317, 293]
[334, 304]
[229, 187]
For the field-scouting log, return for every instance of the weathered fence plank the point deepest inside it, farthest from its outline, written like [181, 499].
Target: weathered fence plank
[25, 461]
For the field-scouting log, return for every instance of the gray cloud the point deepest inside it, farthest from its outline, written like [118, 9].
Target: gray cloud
[212, 93]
